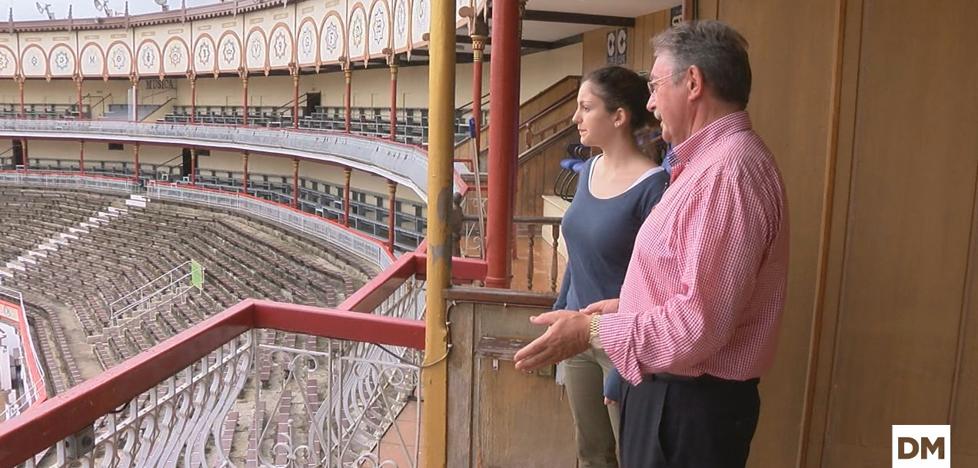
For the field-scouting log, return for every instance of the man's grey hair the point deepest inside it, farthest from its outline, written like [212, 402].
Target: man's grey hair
[716, 49]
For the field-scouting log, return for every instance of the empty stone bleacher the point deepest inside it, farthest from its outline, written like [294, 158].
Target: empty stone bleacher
[412, 123]
[42, 111]
[243, 257]
[119, 256]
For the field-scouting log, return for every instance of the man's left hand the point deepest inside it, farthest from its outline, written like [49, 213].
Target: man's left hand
[566, 336]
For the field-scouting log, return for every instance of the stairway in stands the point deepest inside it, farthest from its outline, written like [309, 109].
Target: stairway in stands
[100, 218]
[545, 130]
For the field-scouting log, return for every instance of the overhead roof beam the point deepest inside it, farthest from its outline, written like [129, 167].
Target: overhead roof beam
[575, 18]
[525, 43]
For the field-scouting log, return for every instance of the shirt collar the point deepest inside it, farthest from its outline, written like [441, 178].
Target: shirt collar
[698, 142]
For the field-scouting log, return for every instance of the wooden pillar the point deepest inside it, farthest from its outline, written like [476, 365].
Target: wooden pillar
[244, 181]
[295, 183]
[689, 10]
[78, 94]
[478, 46]
[479, 38]
[503, 138]
[192, 76]
[23, 147]
[348, 78]
[81, 156]
[393, 135]
[294, 69]
[134, 80]
[135, 162]
[20, 89]
[244, 95]
[193, 166]
[347, 172]
[391, 214]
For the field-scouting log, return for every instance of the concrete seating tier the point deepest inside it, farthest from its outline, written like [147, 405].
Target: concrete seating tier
[243, 259]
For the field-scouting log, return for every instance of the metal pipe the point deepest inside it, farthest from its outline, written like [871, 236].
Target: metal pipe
[441, 108]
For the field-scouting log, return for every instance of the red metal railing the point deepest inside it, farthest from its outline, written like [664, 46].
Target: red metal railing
[43, 425]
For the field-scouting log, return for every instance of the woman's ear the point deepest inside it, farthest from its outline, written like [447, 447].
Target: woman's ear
[621, 117]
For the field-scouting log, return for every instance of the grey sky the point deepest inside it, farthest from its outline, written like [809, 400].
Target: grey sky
[27, 9]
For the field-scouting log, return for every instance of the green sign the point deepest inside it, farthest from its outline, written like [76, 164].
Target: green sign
[196, 274]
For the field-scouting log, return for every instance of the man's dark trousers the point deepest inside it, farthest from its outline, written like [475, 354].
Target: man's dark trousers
[680, 422]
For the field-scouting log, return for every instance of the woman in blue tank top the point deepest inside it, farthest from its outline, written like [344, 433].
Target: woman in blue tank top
[615, 193]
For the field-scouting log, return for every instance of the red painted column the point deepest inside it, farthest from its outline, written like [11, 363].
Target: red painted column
[295, 183]
[347, 172]
[135, 162]
[244, 181]
[393, 136]
[503, 138]
[348, 77]
[192, 76]
[391, 213]
[81, 157]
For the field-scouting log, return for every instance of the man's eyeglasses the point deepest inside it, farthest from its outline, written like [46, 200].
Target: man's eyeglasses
[654, 84]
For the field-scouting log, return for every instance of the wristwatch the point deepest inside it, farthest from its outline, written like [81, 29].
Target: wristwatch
[594, 329]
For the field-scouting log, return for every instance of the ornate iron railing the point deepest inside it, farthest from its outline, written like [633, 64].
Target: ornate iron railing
[182, 401]
[62, 181]
[355, 243]
[260, 384]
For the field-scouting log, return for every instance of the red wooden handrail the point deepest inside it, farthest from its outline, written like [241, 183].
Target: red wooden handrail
[539, 115]
[372, 294]
[43, 425]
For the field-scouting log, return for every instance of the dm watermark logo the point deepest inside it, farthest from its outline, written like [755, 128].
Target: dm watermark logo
[921, 446]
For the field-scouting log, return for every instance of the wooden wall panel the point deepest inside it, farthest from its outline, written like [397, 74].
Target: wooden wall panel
[547, 97]
[646, 27]
[538, 170]
[501, 417]
[639, 55]
[825, 316]
[791, 107]
[908, 231]
[964, 404]
[876, 131]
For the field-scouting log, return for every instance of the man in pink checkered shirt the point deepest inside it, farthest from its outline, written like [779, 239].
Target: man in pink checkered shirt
[700, 309]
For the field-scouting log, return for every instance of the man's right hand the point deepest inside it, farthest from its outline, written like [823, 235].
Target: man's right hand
[607, 306]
